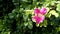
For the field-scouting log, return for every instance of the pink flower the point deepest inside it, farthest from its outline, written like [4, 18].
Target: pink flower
[43, 10]
[39, 15]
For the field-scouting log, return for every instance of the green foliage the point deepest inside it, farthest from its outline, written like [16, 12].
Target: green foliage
[19, 19]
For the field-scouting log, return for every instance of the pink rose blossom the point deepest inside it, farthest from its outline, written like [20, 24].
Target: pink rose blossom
[39, 15]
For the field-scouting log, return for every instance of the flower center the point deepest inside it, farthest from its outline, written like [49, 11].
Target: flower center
[40, 15]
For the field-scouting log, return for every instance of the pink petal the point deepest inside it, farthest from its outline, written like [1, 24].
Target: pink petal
[37, 11]
[42, 18]
[38, 19]
[43, 10]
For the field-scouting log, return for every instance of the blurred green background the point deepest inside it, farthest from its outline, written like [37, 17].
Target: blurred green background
[16, 17]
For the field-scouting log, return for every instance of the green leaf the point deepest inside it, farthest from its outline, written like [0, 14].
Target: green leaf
[7, 32]
[25, 24]
[11, 15]
[27, 12]
[48, 15]
[58, 7]
[37, 25]
[41, 24]
[30, 25]
[53, 12]
[56, 15]
[44, 23]
[58, 29]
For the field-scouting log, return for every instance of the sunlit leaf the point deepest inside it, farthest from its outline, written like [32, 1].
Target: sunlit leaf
[37, 25]
[53, 12]
[58, 7]
[48, 15]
